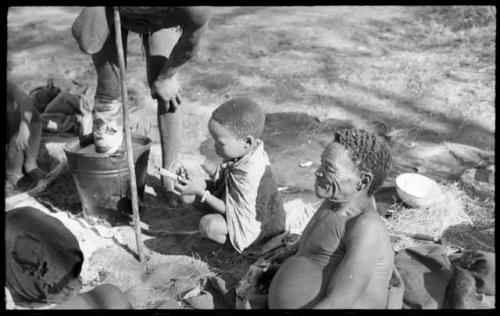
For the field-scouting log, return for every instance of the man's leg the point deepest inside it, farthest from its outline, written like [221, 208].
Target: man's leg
[107, 102]
[158, 47]
[31, 153]
[14, 157]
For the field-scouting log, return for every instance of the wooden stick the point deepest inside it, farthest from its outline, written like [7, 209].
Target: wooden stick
[170, 233]
[43, 183]
[416, 236]
[128, 138]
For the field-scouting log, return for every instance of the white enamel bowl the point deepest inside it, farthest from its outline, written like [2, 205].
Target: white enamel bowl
[417, 190]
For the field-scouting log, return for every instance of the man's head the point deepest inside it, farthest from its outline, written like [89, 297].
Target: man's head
[354, 161]
[235, 127]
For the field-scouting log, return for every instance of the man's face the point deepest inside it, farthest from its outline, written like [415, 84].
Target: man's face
[227, 145]
[337, 176]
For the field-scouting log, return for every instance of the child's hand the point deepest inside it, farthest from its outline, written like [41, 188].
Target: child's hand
[194, 186]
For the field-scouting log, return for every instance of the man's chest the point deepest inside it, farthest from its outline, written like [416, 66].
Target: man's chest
[324, 235]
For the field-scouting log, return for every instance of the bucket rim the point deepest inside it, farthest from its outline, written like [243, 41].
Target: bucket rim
[70, 147]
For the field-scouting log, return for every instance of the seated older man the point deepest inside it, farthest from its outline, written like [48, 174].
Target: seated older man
[345, 257]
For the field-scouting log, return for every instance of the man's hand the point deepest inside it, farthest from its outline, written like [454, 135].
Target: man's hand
[194, 186]
[168, 90]
[23, 135]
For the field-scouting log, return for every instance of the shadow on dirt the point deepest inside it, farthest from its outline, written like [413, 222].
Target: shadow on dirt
[393, 36]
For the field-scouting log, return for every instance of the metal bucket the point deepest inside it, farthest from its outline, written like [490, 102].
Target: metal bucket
[102, 180]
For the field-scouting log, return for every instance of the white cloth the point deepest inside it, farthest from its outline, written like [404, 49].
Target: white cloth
[241, 181]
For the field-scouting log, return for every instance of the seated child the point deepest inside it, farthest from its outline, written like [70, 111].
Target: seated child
[43, 261]
[243, 193]
[24, 129]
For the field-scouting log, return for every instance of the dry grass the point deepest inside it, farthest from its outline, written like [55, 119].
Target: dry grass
[434, 219]
[463, 221]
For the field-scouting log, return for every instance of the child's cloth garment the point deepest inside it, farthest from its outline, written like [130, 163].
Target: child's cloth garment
[237, 183]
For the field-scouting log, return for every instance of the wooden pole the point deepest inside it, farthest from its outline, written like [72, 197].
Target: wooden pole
[128, 138]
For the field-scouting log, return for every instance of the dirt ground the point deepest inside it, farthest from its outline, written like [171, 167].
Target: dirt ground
[421, 80]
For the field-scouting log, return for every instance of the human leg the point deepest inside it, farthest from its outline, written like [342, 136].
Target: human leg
[158, 47]
[214, 226]
[31, 153]
[14, 157]
[106, 113]
[13, 163]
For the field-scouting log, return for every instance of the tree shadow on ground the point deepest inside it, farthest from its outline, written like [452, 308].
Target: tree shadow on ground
[424, 124]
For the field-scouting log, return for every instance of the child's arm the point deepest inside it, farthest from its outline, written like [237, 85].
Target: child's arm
[214, 202]
[198, 187]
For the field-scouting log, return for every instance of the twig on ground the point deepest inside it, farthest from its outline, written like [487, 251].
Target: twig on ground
[46, 181]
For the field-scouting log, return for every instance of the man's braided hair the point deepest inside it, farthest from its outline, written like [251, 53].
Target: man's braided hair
[241, 116]
[369, 152]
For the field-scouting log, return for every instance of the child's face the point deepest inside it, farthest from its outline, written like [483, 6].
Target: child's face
[227, 145]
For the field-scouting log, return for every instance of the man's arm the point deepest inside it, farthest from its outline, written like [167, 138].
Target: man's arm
[353, 273]
[193, 21]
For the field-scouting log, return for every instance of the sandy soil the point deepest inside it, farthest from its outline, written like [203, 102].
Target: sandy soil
[314, 70]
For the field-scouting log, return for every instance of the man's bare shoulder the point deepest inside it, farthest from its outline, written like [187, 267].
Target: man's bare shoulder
[368, 224]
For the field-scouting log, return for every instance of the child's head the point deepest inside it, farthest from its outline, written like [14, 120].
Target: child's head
[235, 126]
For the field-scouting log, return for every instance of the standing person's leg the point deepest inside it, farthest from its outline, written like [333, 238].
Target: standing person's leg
[107, 102]
[31, 153]
[158, 47]
[14, 157]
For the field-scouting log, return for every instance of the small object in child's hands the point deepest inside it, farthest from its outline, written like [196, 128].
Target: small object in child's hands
[182, 172]
[166, 173]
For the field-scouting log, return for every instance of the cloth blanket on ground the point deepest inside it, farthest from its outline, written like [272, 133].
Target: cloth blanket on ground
[62, 112]
[43, 259]
[431, 281]
[237, 184]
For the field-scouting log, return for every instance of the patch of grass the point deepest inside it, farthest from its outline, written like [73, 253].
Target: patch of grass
[434, 219]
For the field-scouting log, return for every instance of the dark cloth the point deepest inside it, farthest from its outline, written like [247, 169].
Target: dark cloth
[62, 112]
[460, 291]
[481, 265]
[144, 20]
[42, 257]
[432, 282]
[425, 271]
